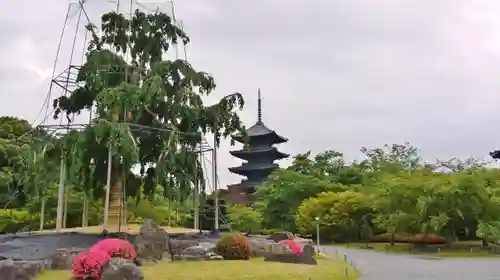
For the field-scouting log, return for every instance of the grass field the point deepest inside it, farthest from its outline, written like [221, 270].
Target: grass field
[459, 249]
[255, 269]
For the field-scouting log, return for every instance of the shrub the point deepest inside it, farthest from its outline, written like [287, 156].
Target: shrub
[116, 247]
[418, 238]
[233, 247]
[270, 231]
[88, 264]
[244, 219]
[293, 245]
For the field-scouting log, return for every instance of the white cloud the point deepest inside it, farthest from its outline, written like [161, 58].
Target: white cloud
[334, 74]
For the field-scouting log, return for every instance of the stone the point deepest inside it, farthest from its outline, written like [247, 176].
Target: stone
[7, 269]
[284, 255]
[309, 250]
[201, 251]
[178, 245]
[291, 258]
[276, 248]
[201, 248]
[121, 269]
[21, 270]
[152, 243]
[281, 235]
[260, 246]
[63, 258]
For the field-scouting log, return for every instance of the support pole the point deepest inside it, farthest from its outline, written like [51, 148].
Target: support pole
[108, 191]
[60, 195]
[197, 196]
[215, 184]
[65, 209]
[42, 213]
[42, 199]
[85, 212]
[317, 235]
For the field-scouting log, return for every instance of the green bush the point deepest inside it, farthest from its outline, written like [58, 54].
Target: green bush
[418, 238]
[233, 246]
[269, 231]
[244, 219]
[12, 220]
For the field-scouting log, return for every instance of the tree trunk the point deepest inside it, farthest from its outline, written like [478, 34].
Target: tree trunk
[484, 242]
[116, 208]
[392, 239]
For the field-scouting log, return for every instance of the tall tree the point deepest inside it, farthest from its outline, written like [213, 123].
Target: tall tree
[281, 195]
[149, 110]
[16, 136]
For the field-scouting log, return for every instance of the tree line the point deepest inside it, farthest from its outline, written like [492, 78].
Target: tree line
[391, 191]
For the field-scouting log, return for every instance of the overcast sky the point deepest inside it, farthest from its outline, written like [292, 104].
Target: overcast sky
[334, 74]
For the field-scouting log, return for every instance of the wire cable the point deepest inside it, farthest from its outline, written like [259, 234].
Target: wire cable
[47, 98]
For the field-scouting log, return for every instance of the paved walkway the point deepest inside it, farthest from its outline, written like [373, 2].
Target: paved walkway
[381, 266]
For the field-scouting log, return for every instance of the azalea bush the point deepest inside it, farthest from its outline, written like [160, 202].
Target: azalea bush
[116, 247]
[233, 246]
[293, 245]
[88, 264]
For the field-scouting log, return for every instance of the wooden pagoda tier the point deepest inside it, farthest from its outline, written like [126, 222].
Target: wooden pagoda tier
[259, 155]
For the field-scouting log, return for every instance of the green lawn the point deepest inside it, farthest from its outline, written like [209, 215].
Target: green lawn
[255, 269]
[460, 249]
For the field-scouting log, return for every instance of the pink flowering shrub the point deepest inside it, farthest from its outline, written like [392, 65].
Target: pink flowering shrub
[293, 245]
[116, 247]
[88, 265]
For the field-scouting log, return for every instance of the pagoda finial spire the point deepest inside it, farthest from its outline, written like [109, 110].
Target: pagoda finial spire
[259, 107]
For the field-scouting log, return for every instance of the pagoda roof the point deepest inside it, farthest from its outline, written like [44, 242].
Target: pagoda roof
[258, 130]
[245, 184]
[245, 153]
[252, 167]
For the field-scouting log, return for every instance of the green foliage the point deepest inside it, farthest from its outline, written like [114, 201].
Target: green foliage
[390, 190]
[150, 111]
[16, 135]
[285, 189]
[233, 246]
[162, 212]
[341, 215]
[244, 219]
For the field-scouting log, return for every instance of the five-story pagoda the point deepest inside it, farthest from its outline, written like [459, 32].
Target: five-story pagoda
[259, 155]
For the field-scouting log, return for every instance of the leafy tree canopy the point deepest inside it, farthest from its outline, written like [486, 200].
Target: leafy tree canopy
[149, 110]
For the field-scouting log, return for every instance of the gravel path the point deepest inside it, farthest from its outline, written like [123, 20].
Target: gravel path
[381, 266]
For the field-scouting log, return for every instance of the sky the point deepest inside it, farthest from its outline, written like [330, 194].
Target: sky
[334, 74]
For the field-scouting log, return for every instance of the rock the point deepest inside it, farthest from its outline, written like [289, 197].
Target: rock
[7, 269]
[276, 248]
[121, 269]
[152, 243]
[282, 235]
[260, 246]
[291, 258]
[304, 241]
[201, 251]
[213, 256]
[309, 250]
[63, 258]
[276, 254]
[21, 270]
[201, 248]
[178, 245]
